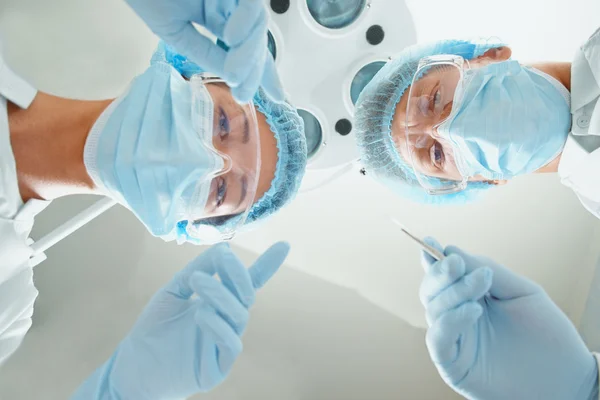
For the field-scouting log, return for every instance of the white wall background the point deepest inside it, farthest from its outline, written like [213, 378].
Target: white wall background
[309, 338]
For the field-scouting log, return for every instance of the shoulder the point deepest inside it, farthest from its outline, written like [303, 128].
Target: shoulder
[585, 84]
[591, 49]
[594, 38]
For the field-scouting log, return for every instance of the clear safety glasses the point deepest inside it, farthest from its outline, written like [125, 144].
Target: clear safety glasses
[438, 84]
[221, 199]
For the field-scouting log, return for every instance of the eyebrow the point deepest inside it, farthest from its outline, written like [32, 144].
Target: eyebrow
[447, 109]
[244, 191]
[246, 137]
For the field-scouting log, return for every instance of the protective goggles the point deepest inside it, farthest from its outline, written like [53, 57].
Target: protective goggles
[221, 199]
[437, 85]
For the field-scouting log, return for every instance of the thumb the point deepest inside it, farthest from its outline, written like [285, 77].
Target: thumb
[506, 284]
[268, 263]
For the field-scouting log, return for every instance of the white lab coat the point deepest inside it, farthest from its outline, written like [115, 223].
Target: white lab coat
[579, 167]
[17, 291]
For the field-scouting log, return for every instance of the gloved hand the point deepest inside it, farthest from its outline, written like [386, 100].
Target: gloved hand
[496, 335]
[241, 24]
[183, 344]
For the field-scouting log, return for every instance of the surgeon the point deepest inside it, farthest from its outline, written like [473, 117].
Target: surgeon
[495, 335]
[445, 122]
[195, 164]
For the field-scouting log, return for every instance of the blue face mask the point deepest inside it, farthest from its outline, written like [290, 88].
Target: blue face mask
[147, 153]
[509, 120]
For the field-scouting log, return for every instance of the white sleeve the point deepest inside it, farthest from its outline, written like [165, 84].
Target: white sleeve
[17, 292]
[17, 296]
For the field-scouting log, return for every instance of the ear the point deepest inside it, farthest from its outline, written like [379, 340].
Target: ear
[497, 54]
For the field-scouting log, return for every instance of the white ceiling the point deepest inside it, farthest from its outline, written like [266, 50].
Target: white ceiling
[339, 233]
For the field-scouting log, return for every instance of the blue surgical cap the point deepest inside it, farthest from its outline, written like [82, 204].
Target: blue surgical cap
[375, 110]
[287, 127]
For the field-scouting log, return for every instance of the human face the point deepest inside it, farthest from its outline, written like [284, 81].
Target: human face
[426, 105]
[231, 193]
[423, 108]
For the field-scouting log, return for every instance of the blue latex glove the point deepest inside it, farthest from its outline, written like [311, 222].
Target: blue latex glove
[241, 24]
[183, 344]
[496, 335]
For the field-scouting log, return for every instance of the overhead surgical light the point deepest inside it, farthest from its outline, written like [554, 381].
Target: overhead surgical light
[335, 14]
[326, 52]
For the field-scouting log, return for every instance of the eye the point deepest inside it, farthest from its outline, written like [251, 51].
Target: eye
[221, 191]
[435, 100]
[437, 155]
[224, 128]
